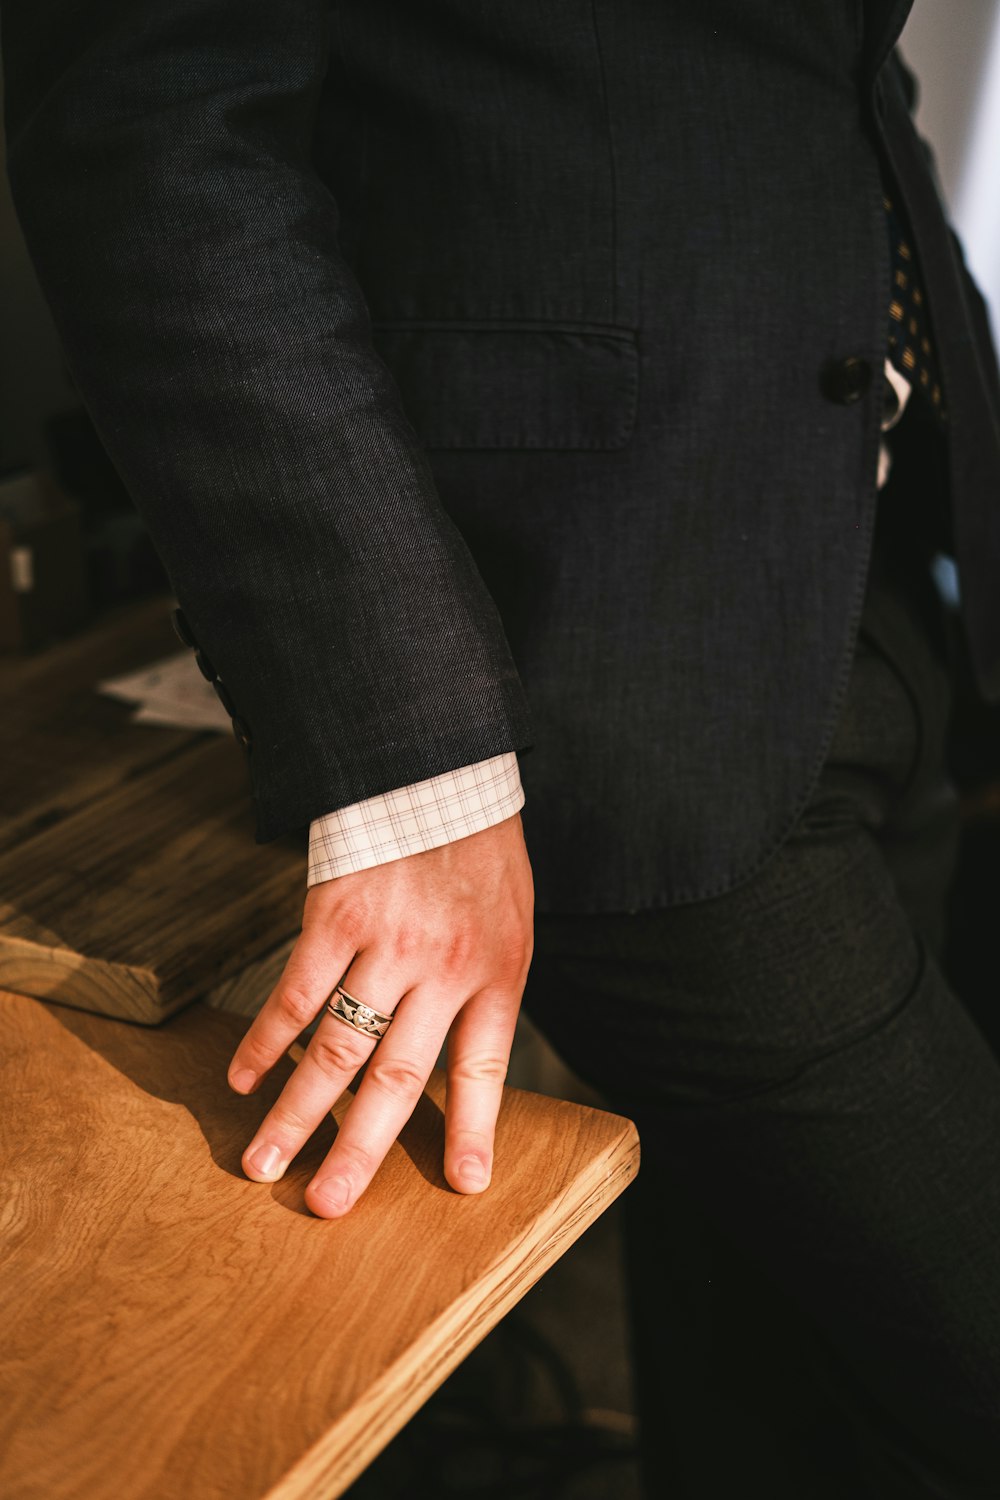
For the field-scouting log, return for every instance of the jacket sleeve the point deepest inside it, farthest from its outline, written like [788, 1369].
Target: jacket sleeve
[159, 157]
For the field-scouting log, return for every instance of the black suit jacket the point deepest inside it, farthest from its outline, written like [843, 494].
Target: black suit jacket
[416, 329]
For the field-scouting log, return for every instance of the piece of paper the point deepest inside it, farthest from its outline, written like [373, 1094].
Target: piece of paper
[171, 692]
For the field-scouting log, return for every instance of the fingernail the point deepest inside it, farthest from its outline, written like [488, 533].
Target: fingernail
[471, 1172]
[244, 1080]
[265, 1159]
[334, 1192]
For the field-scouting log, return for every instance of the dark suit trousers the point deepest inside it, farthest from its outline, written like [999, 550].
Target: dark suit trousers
[814, 1238]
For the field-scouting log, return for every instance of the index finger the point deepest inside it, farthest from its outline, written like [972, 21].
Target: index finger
[314, 966]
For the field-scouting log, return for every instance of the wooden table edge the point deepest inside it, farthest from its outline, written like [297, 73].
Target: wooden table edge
[350, 1445]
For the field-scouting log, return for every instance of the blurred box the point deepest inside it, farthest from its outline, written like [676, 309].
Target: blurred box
[43, 581]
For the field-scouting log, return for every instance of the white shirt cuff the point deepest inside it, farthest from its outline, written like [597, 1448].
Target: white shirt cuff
[413, 819]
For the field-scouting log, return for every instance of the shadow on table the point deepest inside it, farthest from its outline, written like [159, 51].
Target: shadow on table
[184, 1060]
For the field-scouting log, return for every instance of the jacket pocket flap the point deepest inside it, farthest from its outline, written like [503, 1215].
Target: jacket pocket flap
[503, 386]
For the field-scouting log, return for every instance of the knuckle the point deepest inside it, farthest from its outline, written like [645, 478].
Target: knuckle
[459, 949]
[288, 1122]
[486, 1067]
[514, 961]
[397, 1076]
[335, 1055]
[295, 1006]
[359, 1162]
[351, 923]
[405, 942]
[256, 1053]
[329, 908]
[470, 1140]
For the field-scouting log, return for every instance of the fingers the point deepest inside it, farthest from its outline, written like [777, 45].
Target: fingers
[334, 1055]
[481, 1037]
[396, 1076]
[479, 1049]
[314, 966]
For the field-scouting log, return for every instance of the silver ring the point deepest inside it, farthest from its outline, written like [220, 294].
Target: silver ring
[358, 1015]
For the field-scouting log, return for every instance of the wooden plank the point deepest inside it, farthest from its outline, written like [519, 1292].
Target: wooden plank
[62, 745]
[151, 896]
[172, 1329]
[245, 992]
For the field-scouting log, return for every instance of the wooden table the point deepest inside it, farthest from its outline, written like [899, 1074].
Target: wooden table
[173, 1331]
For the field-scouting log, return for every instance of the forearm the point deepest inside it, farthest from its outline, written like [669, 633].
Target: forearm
[160, 164]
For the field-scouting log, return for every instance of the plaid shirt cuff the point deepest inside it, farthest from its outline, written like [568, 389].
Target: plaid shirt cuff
[414, 818]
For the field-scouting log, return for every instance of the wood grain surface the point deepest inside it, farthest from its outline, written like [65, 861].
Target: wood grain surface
[148, 897]
[62, 745]
[130, 883]
[173, 1331]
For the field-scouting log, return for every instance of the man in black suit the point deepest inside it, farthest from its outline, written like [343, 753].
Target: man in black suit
[435, 339]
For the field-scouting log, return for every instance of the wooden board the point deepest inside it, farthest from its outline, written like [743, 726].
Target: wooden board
[173, 1331]
[62, 745]
[130, 883]
[149, 897]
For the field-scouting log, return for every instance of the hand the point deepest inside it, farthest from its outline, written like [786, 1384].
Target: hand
[444, 940]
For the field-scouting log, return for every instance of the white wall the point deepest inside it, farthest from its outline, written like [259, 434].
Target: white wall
[954, 48]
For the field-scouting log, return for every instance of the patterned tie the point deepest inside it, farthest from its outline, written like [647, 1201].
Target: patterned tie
[910, 347]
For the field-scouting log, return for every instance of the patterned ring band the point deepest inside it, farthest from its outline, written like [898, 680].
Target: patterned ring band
[355, 1013]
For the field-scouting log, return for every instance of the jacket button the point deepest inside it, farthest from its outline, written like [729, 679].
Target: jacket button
[846, 380]
[182, 629]
[204, 666]
[242, 732]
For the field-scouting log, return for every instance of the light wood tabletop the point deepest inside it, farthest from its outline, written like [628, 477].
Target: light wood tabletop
[173, 1331]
